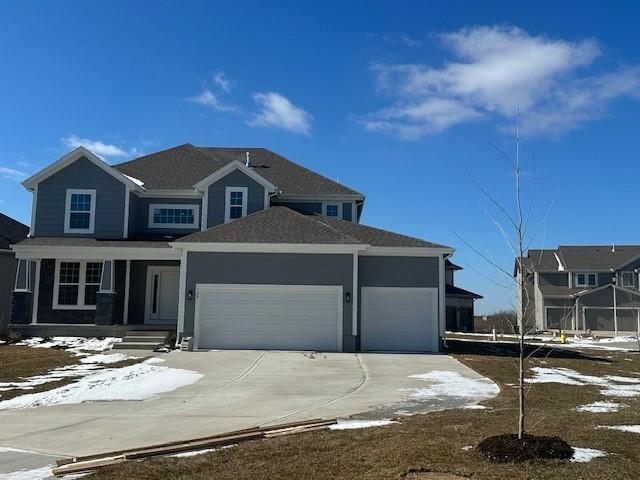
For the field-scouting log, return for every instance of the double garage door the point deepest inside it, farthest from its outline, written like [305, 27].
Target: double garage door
[309, 317]
[276, 317]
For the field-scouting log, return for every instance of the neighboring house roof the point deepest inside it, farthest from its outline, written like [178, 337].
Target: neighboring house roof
[581, 257]
[11, 231]
[460, 292]
[183, 166]
[90, 242]
[449, 265]
[283, 225]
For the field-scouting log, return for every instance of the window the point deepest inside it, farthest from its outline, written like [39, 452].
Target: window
[173, 216]
[332, 209]
[627, 279]
[586, 280]
[76, 285]
[80, 211]
[236, 203]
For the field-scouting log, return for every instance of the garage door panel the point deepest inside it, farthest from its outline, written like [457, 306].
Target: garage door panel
[399, 319]
[270, 317]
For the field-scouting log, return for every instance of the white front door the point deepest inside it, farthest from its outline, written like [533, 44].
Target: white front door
[162, 295]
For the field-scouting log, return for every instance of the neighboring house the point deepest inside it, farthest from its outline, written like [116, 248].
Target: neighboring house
[233, 247]
[583, 288]
[11, 231]
[459, 302]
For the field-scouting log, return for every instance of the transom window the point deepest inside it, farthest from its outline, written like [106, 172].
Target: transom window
[236, 203]
[332, 209]
[627, 279]
[80, 211]
[76, 284]
[586, 280]
[173, 216]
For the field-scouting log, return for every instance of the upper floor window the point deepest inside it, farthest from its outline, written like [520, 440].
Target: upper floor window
[235, 203]
[80, 211]
[332, 209]
[627, 279]
[586, 280]
[76, 285]
[173, 216]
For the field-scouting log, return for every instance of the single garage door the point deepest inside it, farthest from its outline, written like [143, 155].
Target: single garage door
[276, 317]
[399, 319]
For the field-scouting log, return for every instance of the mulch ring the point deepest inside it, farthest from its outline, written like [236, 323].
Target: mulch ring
[509, 448]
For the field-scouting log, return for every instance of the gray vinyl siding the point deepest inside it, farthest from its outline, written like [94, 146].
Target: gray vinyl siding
[139, 215]
[347, 214]
[217, 196]
[138, 287]
[7, 278]
[374, 271]
[81, 174]
[271, 269]
[555, 279]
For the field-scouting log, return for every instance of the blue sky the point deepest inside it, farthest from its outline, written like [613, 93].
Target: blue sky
[399, 100]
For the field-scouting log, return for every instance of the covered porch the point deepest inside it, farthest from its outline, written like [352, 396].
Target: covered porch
[93, 287]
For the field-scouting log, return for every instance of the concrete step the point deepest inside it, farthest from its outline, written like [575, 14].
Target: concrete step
[135, 346]
[147, 339]
[148, 333]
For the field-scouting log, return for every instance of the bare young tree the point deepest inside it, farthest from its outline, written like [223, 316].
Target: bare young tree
[513, 224]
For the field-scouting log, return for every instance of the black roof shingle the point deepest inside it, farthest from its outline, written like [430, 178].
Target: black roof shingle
[11, 231]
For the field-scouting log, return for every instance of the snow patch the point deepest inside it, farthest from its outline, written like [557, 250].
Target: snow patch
[599, 407]
[107, 358]
[74, 344]
[353, 424]
[476, 407]
[35, 474]
[199, 452]
[611, 386]
[452, 384]
[136, 382]
[583, 455]
[622, 428]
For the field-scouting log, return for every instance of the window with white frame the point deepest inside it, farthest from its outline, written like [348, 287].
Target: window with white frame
[332, 209]
[173, 216]
[235, 203]
[586, 280]
[80, 211]
[76, 284]
[627, 279]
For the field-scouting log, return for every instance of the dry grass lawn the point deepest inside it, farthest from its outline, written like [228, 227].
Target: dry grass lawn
[434, 442]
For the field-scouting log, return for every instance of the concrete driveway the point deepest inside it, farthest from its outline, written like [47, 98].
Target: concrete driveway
[240, 389]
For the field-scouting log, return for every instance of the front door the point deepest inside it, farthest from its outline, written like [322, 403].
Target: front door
[162, 295]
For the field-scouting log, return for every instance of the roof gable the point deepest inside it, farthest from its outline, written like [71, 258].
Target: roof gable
[231, 167]
[71, 157]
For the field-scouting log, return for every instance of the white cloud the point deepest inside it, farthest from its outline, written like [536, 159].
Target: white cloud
[223, 82]
[101, 149]
[13, 174]
[495, 68]
[278, 112]
[209, 99]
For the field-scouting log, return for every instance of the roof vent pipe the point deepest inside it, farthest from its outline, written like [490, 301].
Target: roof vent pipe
[248, 162]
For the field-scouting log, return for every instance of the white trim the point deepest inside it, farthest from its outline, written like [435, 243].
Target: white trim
[227, 202]
[151, 271]
[442, 319]
[354, 296]
[265, 247]
[338, 204]
[407, 251]
[182, 292]
[322, 197]
[169, 193]
[31, 182]
[175, 206]
[36, 293]
[127, 282]
[125, 229]
[34, 209]
[81, 285]
[92, 212]
[227, 169]
[205, 210]
[102, 253]
[275, 287]
[111, 275]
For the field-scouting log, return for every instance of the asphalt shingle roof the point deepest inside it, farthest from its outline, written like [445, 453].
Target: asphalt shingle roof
[11, 231]
[283, 225]
[582, 257]
[460, 292]
[183, 166]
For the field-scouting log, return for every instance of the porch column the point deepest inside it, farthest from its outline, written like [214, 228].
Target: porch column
[105, 297]
[22, 298]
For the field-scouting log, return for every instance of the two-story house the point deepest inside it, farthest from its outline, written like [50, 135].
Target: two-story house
[233, 247]
[582, 288]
